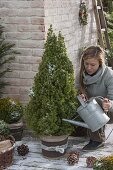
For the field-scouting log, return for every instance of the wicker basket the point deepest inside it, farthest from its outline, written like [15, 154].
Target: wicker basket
[6, 153]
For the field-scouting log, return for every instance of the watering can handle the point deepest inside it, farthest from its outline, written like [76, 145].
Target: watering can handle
[83, 103]
[100, 97]
[97, 97]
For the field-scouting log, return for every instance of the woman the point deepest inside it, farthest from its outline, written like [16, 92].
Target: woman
[96, 79]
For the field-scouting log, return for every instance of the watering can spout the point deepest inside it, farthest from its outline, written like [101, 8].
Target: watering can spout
[77, 123]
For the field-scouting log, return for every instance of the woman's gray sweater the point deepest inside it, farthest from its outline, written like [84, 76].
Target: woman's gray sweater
[100, 84]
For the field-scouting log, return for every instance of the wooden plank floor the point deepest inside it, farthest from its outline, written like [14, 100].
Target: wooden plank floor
[35, 161]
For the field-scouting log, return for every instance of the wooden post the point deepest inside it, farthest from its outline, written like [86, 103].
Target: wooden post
[101, 24]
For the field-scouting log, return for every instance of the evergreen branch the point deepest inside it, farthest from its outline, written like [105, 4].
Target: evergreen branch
[6, 49]
[110, 25]
[6, 55]
[7, 60]
[4, 72]
[2, 84]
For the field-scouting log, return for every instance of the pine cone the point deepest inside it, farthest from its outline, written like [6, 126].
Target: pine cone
[90, 161]
[22, 149]
[73, 158]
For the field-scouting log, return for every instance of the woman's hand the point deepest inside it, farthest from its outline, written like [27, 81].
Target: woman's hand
[84, 97]
[106, 104]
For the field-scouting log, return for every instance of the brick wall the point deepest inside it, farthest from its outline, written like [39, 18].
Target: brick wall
[26, 24]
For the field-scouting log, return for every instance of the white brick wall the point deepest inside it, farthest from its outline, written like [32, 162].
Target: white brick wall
[26, 24]
[64, 17]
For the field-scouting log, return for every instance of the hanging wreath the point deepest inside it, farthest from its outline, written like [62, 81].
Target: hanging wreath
[83, 14]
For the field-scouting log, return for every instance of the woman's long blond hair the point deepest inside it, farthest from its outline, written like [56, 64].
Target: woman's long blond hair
[91, 52]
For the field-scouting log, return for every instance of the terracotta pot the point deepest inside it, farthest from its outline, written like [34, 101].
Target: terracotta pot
[54, 146]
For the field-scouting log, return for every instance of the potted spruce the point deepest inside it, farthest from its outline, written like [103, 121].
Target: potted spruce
[11, 111]
[53, 97]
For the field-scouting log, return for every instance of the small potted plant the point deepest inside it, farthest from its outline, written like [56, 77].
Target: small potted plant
[53, 97]
[11, 111]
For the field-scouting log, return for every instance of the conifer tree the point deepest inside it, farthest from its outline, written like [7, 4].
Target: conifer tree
[6, 55]
[54, 93]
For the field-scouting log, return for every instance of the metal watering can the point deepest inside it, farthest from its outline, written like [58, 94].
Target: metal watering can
[92, 114]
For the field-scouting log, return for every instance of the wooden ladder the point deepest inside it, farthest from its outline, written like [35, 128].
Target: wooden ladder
[103, 38]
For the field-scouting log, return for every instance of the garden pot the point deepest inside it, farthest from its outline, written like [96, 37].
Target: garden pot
[16, 130]
[54, 146]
